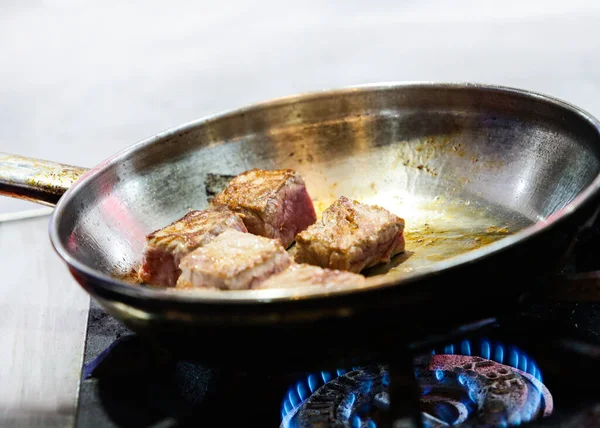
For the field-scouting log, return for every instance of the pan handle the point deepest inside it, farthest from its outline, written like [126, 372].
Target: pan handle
[36, 180]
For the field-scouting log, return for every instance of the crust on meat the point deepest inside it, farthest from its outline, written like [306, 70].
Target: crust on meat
[273, 204]
[233, 261]
[165, 247]
[301, 275]
[351, 236]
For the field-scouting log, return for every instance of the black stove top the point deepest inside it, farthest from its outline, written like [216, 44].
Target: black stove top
[539, 367]
[541, 362]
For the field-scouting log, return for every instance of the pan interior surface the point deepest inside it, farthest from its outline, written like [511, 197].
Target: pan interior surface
[464, 165]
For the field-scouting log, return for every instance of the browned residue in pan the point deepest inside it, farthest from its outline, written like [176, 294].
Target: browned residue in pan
[131, 276]
[456, 231]
[423, 154]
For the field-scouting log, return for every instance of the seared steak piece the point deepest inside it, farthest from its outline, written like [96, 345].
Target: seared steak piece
[233, 261]
[167, 246]
[273, 204]
[301, 275]
[351, 236]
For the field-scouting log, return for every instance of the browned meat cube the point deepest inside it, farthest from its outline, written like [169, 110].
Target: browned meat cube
[301, 275]
[351, 236]
[167, 246]
[233, 261]
[273, 204]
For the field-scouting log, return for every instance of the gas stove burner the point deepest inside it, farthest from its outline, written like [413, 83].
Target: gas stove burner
[491, 386]
[473, 391]
[345, 400]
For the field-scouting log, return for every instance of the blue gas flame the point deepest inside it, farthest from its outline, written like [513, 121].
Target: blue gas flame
[486, 350]
[386, 380]
[439, 375]
[513, 358]
[465, 348]
[299, 392]
[523, 363]
[326, 376]
[499, 354]
[294, 398]
[313, 382]
[496, 351]
[302, 389]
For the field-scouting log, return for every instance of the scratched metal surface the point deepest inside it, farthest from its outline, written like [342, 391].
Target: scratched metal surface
[464, 165]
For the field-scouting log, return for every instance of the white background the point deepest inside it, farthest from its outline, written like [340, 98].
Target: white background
[80, 81]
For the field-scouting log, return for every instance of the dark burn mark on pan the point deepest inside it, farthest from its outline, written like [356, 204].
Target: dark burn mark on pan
[215, 184]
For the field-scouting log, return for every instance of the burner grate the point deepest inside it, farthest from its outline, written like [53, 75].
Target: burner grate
[499, 387]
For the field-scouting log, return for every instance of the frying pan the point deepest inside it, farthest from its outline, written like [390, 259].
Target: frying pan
[495, 184]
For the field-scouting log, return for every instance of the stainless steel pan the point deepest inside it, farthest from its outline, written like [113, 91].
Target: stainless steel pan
[494, 183]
